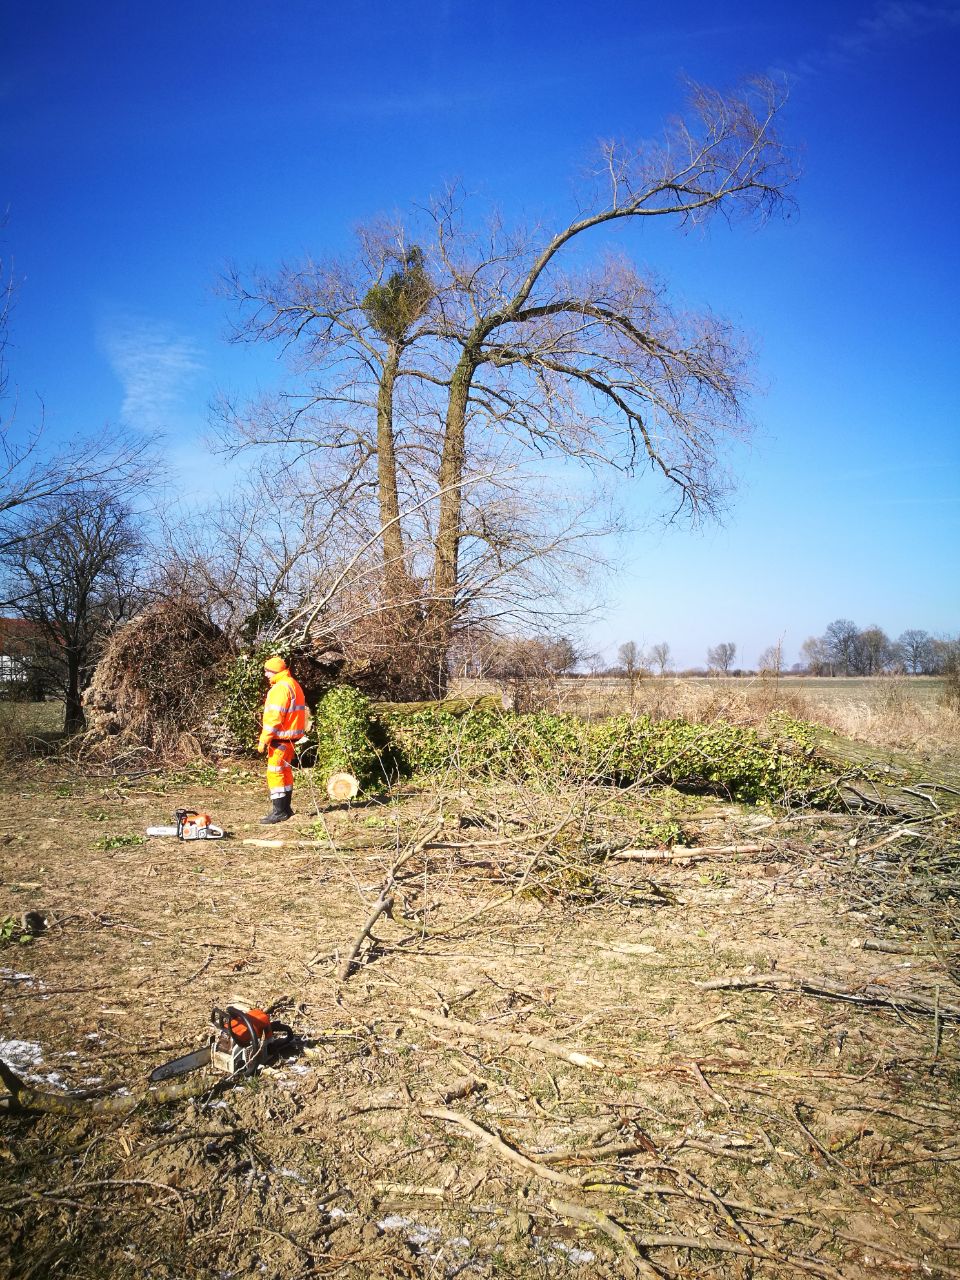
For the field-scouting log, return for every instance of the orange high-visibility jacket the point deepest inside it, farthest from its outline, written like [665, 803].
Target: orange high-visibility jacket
[285, 710]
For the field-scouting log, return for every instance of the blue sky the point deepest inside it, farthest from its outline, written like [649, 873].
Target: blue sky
[141, 149]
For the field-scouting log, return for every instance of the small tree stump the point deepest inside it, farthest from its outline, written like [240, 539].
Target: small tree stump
[342, 786]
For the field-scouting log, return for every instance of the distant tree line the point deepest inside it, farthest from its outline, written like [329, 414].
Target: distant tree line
[843, 650]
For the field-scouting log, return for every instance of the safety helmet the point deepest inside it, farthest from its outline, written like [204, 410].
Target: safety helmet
[275, 665]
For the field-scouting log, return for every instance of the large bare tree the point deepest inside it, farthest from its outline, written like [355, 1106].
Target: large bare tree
[442, 362]
[350, 324]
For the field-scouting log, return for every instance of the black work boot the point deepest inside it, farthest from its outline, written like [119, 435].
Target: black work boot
[280, 812]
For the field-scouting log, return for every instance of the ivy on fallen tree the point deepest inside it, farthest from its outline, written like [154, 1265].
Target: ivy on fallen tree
[779, 766]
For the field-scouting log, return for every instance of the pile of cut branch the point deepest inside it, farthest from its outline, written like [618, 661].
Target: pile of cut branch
[154, 688]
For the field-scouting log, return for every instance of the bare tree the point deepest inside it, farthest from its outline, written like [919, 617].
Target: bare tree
[840, 639]
[817, 656]
[630, 658]
[721, 656]
[528, 666]
[351, 326]
[435, 374]
[916, 650]
[660, 657]
[770, 662]
[73, 571]
[634, 666]
[598, 366]
[873, 651]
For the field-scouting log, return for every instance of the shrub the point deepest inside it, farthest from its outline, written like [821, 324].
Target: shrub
[350, 739]
[776, 766]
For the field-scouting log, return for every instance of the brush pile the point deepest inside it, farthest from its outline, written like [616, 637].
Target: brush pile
[155, 688]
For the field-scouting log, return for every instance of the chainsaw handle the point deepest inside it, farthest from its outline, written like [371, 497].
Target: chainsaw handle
[281, 1037]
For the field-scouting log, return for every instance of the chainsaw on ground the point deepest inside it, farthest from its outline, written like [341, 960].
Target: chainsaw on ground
[241, 1041]
[190, 826]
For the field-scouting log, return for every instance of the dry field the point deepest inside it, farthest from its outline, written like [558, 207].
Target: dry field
[554, 1059]
[899, 712]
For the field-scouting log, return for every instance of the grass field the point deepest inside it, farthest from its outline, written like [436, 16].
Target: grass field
[893, 712]
[31, 717]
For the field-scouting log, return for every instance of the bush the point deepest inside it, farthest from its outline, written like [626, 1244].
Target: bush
[350, 740]
[777, 766]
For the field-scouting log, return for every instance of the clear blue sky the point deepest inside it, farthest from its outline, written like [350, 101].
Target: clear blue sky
[142, 147]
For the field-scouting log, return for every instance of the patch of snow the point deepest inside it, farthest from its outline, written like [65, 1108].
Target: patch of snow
[20, 1055]
[416, 1233]
[423, 1235]
[579, 1256]
[337, 1212]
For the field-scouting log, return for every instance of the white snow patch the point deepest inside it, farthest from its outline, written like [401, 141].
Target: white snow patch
[575, 1255]
[394, 1223]
[20, 1055]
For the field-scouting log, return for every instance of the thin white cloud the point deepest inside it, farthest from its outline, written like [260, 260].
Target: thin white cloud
[156, 368]
[890, 22]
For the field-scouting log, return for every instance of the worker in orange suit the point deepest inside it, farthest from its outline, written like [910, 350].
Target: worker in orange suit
[284, 724]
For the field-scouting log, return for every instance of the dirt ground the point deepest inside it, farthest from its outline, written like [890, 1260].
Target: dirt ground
[521, 1075]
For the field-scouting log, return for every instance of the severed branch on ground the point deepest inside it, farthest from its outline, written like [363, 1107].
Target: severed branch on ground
[576, 1212]
[683, 855]
[384, 903]
[383, 906]
[871, 995]
[511, 1039]
[26, 1097]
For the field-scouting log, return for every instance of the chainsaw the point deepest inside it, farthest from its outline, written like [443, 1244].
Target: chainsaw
[241, 1041]
[190, 826]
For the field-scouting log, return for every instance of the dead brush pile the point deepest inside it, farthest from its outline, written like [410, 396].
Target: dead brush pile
[154, 689]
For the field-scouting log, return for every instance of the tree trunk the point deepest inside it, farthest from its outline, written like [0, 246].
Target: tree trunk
[447, 545]
[74, 720]
[394, 558]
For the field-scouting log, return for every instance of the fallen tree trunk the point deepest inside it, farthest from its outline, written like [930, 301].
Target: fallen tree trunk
[27, 1097]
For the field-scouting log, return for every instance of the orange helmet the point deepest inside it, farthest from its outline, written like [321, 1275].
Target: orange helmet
[275, 665]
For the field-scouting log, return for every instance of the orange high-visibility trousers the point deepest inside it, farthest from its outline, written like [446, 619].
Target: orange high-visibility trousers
[279, 773]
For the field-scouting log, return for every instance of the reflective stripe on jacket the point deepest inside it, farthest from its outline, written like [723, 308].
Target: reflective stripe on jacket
[285, 710]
